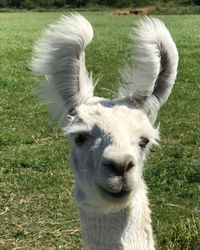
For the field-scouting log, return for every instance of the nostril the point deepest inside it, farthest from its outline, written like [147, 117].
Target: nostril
[130, 166]
[113, 167]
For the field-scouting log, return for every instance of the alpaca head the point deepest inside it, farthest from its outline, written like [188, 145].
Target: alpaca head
[109, 138]
[108, 149]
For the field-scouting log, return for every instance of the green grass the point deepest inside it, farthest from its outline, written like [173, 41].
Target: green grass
[37, 208]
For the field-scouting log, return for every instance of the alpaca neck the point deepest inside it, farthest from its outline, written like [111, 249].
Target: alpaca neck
[125, 230]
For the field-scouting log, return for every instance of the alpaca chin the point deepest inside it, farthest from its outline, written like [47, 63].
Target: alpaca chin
[94, 200]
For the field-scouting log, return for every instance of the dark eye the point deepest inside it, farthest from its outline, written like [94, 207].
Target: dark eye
[80, 139]
[143, 142]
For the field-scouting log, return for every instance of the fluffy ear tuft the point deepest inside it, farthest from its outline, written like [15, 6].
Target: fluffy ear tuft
[150, 78]
[59, 56]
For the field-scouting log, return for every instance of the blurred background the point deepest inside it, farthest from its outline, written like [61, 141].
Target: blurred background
[154, 6]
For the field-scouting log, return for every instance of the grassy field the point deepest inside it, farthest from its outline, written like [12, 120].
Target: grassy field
[37, 209]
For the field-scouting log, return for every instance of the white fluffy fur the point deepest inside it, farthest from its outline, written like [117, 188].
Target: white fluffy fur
[151, 76]
[60, 57]
[110, 138]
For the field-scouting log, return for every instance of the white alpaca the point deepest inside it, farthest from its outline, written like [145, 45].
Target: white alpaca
[109, 138]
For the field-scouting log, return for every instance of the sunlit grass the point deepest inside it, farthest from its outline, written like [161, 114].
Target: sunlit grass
[37, 210]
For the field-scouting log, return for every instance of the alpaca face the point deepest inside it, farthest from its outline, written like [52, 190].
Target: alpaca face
[108, 149]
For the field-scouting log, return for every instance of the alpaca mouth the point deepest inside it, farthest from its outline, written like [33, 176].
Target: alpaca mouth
[121, 194]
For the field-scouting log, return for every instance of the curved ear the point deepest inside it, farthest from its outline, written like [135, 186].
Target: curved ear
[59, 56]
[151, 76]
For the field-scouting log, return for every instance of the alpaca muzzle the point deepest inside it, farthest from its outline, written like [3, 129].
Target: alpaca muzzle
[115, 175]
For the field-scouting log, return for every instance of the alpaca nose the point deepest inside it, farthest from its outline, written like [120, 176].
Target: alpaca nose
[119, 168]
